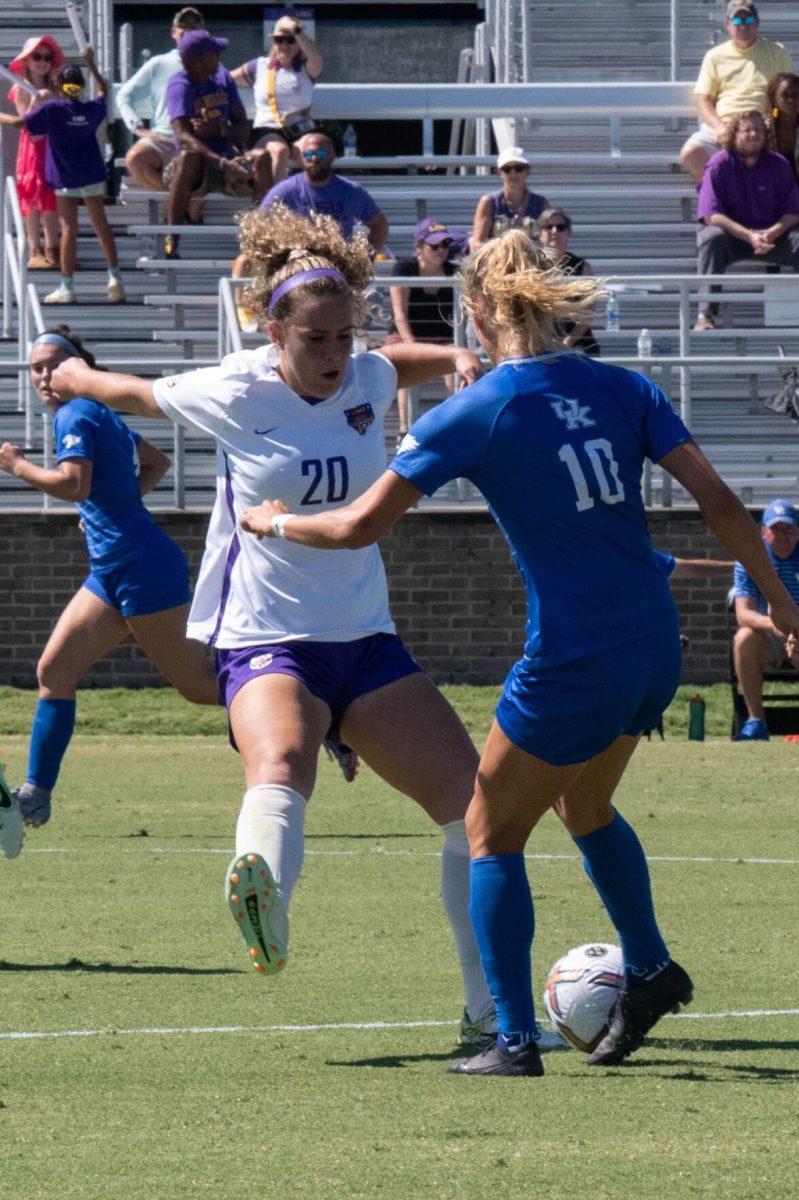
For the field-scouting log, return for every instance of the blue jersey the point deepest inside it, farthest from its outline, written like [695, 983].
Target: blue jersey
[557, 445]
[786, 568]
[118, 526]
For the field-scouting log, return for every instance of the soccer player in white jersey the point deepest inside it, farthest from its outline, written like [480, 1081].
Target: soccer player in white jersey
[305, 642]
[557, 443]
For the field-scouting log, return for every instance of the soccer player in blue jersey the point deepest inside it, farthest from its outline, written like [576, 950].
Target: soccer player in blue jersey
[138, 582]
[556, 442]
[758, 645]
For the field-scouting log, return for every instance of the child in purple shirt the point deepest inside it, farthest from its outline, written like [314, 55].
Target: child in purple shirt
[74, 167]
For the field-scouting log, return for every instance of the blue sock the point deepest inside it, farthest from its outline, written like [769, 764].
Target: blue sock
[614, 862]
[502, 914]
[51, 733]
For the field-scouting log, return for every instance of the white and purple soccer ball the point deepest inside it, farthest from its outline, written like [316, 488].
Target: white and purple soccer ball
[580, 991]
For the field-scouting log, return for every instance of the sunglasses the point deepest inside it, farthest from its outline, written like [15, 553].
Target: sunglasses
[443, 245]
[513, 169]
[750, 20]
[310, 155]
[281, 39]
[559, 226]
[42, 57]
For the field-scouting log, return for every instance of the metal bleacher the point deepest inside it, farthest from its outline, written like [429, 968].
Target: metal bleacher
[609, 156]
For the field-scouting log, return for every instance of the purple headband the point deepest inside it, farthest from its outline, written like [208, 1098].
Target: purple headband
[288, 285]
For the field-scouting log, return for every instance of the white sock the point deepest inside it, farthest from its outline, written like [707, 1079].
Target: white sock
[271, 824]
[455, 894]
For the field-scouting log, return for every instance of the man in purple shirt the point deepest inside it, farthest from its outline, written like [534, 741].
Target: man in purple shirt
[210, 127]
[748, 206]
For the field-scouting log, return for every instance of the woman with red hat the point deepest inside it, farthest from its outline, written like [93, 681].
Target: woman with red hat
[37, 63]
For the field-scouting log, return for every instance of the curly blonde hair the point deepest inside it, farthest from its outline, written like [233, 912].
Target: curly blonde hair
[279, 243]
[726, 139]
[513, 286]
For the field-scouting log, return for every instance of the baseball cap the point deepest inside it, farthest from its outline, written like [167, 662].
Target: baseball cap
[512, 154]
[743, 6]
[431, 231]
[780, 511]
[197, 41]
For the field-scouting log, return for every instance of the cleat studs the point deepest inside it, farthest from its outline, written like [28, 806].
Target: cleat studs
[273, 947]
[260, 967]
[254, 952]
[241, 864]
[239, 914]
[251, 858]
[263, 874]
[234, 899]
[234, 879]
[281, 962]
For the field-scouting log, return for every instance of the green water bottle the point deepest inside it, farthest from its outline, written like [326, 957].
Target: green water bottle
[696, 719]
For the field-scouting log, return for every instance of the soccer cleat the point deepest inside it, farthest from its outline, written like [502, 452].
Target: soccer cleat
[60, 295]
[12, 831]
[753, 730]
[34, 804]
[115, 291]
[637, 1009]
[346, 758]
[251, 894]
[481, 1034]
[496, 1061]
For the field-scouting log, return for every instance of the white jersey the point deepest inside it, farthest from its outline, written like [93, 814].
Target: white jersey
[273, 445]
[293, 93]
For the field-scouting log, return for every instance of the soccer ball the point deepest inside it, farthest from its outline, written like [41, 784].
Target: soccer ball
[580, 991]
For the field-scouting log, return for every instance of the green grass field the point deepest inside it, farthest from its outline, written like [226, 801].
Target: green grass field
[180, 1076]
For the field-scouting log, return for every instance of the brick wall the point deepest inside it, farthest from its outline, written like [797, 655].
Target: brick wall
[456, 596]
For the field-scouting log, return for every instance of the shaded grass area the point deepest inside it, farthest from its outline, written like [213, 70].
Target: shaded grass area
[121, 927]
[162, 712]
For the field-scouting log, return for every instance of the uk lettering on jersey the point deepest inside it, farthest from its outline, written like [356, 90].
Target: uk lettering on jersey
[272, 444]
[557, 445]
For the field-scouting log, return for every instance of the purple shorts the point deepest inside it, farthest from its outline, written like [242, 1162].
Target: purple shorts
[336, 672]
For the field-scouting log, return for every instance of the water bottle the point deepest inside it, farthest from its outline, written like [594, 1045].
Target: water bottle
[645, 344]
[612, 320]
[696, 719]
[350, 142]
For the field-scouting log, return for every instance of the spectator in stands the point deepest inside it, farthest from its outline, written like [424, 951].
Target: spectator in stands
[37, 63]
[282, 84]
[210, 127]
[732, 80]
[554, 231]
[758, 644]
[320, 189]
[75, 168]
[143, 96]
[424, 314]
[783, 102]
[512, 206]
[748, 206]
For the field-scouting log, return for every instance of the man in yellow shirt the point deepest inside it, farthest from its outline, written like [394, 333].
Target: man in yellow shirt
[732, 79]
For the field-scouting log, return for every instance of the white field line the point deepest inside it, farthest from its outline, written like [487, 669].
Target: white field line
[665, 858]
[167, 1031]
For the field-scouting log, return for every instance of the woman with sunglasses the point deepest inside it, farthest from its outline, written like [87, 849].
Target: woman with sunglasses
[282, 84]
[138, 580]
[423, 314]
[305, 643]
[783, 103]
[557, 444]
[554, 231]
[513, 206]
[37, 63]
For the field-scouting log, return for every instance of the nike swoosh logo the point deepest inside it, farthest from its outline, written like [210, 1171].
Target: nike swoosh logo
[263, 432]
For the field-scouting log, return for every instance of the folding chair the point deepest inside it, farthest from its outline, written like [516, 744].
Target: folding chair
[781, 717]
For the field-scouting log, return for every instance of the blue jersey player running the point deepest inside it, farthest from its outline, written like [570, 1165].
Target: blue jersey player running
[556, 443]
[138, 581]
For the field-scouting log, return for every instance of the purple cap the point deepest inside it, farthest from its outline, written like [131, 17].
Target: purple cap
[780, 511]
[431, 231]
[198, 41]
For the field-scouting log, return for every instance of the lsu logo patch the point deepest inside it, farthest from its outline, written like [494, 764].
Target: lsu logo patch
[360, 417]
[70, 441]
[260, 661]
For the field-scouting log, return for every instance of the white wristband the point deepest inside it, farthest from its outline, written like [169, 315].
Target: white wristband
[278, 524]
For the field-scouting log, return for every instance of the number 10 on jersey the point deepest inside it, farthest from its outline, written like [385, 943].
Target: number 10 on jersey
[601, 466]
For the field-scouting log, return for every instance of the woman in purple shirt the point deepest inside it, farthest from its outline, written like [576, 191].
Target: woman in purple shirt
[75, 169]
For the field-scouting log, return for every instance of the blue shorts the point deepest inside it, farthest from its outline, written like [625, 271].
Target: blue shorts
[572, 711]
[336, 672]
[158, 579]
